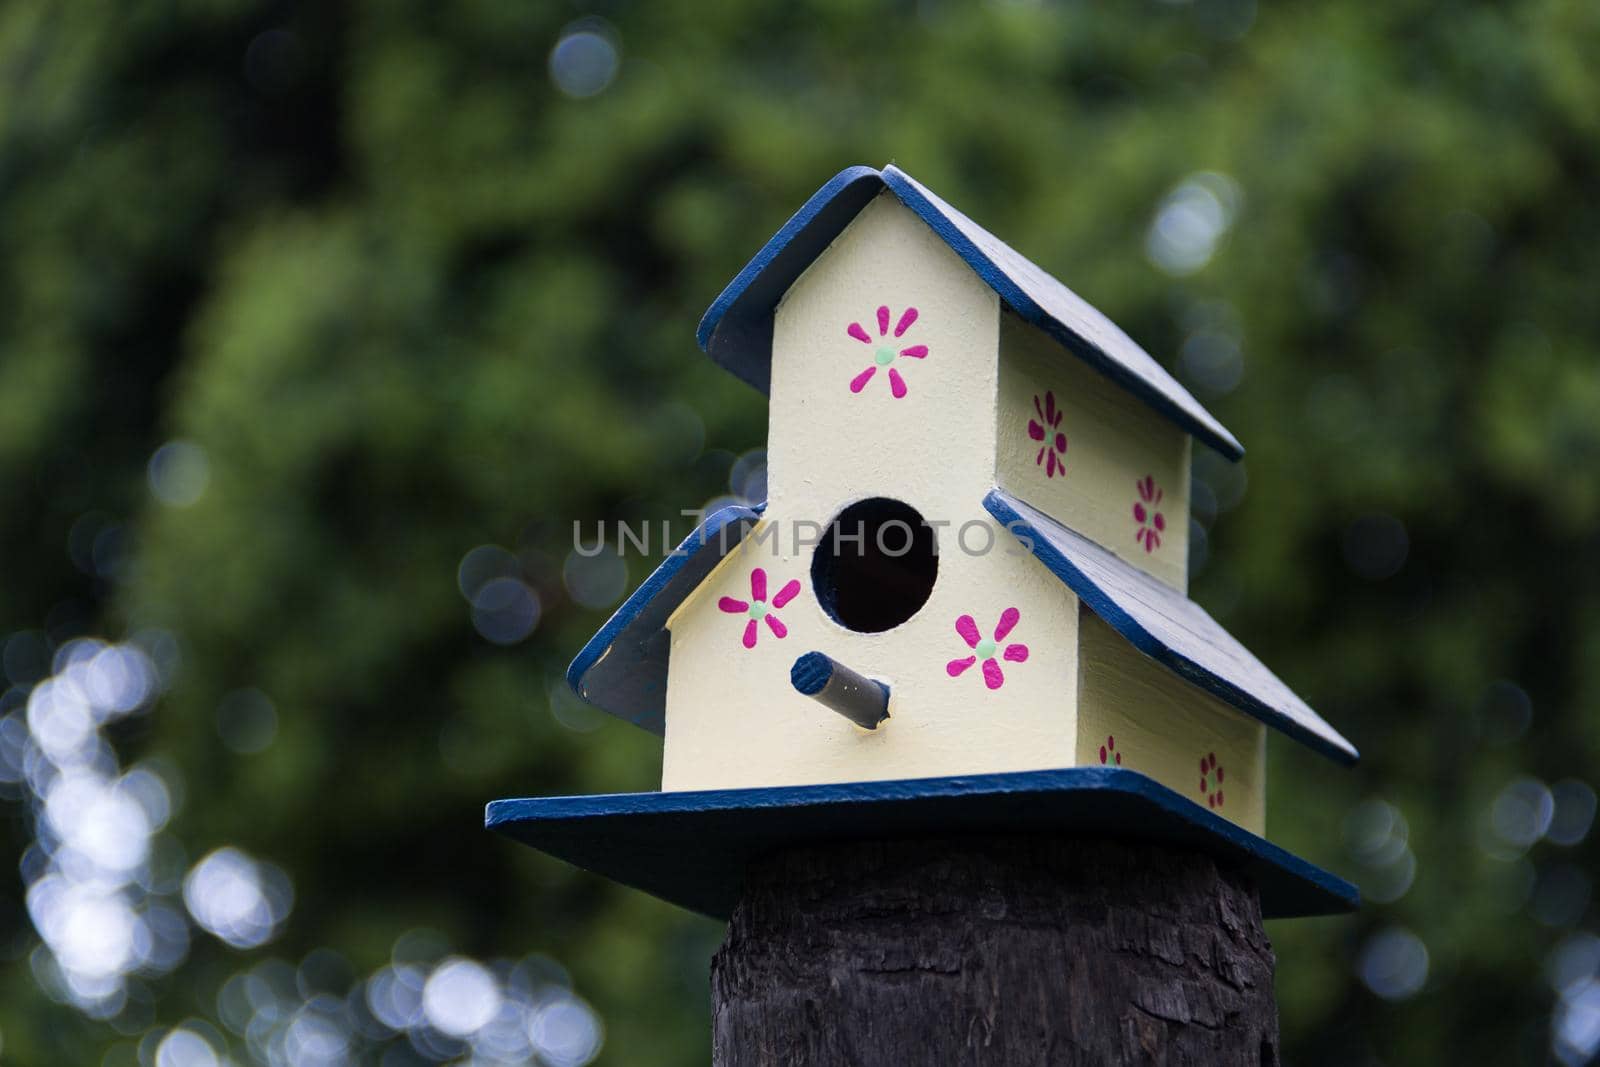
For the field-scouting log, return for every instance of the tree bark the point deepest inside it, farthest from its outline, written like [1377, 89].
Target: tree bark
[1012, 952]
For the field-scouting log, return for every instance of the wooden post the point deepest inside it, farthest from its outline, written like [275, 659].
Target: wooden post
[1013, 952]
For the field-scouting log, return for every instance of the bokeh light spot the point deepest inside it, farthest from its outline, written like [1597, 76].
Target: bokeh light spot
[237, 899]
[1191, 221]
[595, 581]
[460, 997]
[1574, 813]
[1521, 813]
[179, 473]
[183, 1047]
[566, 1032]
[1394, 964]
[748, 477]
[505, 610]
[584, 61]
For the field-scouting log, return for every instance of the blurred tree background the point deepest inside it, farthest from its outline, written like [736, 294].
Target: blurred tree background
[321, 324]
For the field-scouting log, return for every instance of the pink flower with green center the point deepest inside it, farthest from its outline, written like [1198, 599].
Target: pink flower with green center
[1211, 775]
[985, 649]
[759, 608]
[1046, 429]
[884, 351]
[1151, 523]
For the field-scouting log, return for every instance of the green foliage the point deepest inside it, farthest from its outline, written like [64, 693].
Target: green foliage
[410, 299]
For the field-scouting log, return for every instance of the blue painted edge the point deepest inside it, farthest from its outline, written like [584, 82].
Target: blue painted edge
[1103, 605]
[646, 609]
[690, 848]
[810, 673]
[744, 347]
[1025, 306]
[736, 330]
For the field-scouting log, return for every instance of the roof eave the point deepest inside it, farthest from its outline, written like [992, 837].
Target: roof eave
[1330, 744]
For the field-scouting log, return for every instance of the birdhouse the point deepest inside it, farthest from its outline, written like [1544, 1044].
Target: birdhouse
[971, 567]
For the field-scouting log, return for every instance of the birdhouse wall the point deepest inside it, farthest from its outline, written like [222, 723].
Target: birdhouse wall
[734, 720]
[1135, 713]
[1080, 448]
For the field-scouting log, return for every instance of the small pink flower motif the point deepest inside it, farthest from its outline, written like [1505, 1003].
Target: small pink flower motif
[1211, 775]
[1151, 523]
[986, 649]
[759, 608]
[884, 352]
[1046, 429]
[1108, 751]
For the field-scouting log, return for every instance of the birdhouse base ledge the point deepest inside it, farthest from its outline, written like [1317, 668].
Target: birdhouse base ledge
[692, 848]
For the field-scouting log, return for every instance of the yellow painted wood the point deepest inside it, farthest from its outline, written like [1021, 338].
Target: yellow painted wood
[1114, 441]
[1164, 727]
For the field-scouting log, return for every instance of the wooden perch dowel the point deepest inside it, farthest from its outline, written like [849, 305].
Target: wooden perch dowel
[838, 688]
[1014, 952]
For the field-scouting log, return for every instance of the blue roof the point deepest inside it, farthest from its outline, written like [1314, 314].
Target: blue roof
[623, 668]
[1167, 626]
[736, 331]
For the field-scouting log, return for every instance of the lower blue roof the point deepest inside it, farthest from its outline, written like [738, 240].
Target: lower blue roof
[623, 668]
[1167, 626]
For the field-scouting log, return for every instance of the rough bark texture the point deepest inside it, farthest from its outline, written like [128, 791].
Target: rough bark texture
[1011, 952]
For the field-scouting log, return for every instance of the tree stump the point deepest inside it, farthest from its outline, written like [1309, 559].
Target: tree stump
[1012, 952]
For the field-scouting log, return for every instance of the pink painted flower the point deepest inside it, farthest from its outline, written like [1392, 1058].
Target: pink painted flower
[1211, 775]
[884, 352]
[1151, 522]
[1108, 751]
[759, 608]
[985, 648]
[1046, 429]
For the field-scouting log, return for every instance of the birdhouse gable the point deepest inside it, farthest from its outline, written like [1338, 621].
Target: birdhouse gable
[882, 374]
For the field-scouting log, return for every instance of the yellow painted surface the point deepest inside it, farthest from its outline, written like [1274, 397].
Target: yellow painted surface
[1163, 726]
[1114, 441]
[733, 718]
[934, 447]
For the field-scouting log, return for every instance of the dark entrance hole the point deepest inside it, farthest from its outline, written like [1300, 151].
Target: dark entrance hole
[875, 565]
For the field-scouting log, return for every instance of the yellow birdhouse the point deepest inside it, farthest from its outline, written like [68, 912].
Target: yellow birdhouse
[972, 560]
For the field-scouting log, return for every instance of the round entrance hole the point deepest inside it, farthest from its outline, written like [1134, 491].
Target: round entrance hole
[875, 565]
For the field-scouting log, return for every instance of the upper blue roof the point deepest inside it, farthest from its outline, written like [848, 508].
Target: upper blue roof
[737, 329]
[1167, 626]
